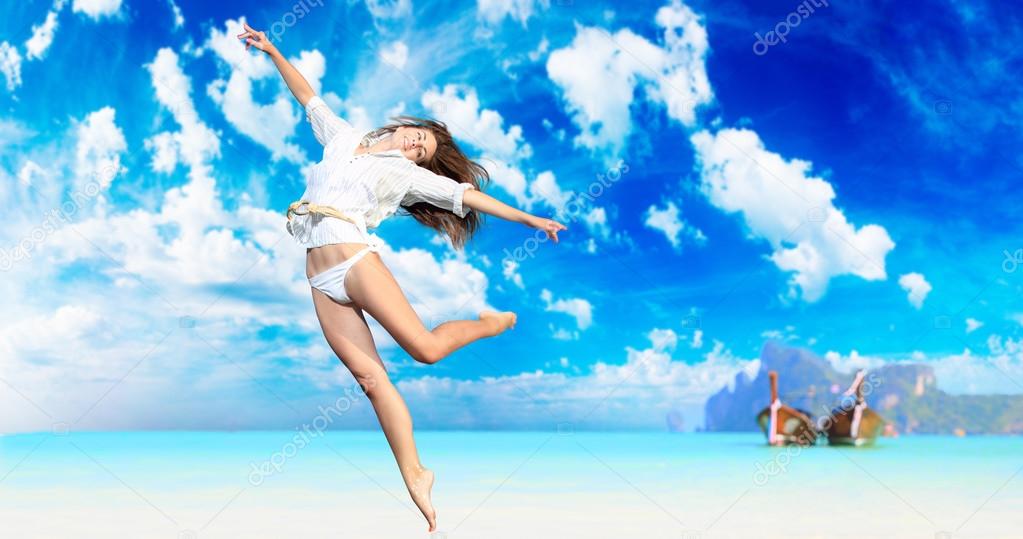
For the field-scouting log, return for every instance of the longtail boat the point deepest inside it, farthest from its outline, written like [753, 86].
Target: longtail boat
[783, 424]
[853, 422]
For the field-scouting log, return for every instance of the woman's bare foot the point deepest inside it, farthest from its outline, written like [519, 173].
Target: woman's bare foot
[420, 490]
[501, 320]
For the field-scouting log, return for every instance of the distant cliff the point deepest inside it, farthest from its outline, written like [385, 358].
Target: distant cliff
[906, 395]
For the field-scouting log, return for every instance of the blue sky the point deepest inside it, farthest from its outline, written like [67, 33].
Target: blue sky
[851, 190]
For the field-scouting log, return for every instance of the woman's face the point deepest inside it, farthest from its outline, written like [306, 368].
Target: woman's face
[416, 143]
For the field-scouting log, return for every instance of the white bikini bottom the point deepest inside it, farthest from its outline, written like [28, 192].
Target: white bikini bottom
[332, 280]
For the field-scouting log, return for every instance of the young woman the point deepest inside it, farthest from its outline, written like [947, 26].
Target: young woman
[363, 179]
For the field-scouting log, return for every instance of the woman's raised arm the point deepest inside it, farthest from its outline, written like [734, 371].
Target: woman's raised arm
[296, 82]
[482, 202]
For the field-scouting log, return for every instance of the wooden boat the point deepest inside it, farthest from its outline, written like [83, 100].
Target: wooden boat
[783, 424]
[853, 422]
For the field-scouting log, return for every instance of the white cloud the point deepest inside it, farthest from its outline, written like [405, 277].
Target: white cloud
[10, 65]
[793, 211]
[29, 171]
[502, 151]
[388, 9]
[68, 324]
[99, 149]
[697, 341]
[195, 143]
[42, 37]
[545, 188]
[917, 287]
[179, 18]
[357, 116]
[164, 150]
[852, 362]
[998, 370]
[96, 8]
[492, 11]
[599, 72]
[203, 251]
[972, 324]
[312, 65]
[459, 107]
[395, 54]
[13, 132]
[684, 84]
[116, 366]
[596, 222]
[563, 334]
[578, 308]
[539, 51]
[510, 270]
[438, 289]
[598, 81]
[669, 222]
[636, 393]
[558, 134]
[508, 177]
[270, 125]
[666, 220]
[663, 339]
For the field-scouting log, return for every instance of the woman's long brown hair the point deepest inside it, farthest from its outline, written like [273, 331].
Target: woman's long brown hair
[449, 161]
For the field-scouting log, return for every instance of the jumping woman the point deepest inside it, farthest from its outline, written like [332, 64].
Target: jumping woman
[362, 179]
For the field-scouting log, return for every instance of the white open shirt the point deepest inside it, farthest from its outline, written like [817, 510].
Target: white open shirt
[368, 187]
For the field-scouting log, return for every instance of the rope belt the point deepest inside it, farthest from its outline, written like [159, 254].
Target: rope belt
[303, 207]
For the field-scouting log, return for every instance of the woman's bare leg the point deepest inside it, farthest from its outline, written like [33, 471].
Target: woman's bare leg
[347, 333]
[373, 288]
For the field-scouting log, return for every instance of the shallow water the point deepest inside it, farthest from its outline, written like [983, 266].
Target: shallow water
[506, 484]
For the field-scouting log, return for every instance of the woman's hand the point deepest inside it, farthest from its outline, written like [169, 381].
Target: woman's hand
[549, 226]
[296, 82]
[254, 38]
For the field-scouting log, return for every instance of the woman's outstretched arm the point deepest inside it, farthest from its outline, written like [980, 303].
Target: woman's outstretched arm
[482, 202]
[296, 82]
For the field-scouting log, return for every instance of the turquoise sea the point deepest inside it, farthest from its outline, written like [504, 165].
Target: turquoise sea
[506, 484]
